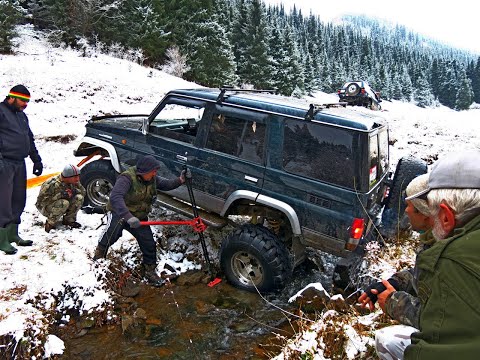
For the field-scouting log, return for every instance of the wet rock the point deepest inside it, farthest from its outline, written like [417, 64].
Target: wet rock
[140, 314]
[130, 289]
[338, 303]
[133, 327]
[243, 326]
[191, 278]
[312, 298]
[81, 333]
[203, 307]
[87, 323]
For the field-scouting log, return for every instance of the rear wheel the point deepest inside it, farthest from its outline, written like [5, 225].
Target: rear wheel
[98, 178]
[252, 259]
[394, 219]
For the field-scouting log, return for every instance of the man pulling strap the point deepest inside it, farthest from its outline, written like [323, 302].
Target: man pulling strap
[130, 202]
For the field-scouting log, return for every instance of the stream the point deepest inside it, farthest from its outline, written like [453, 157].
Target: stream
[199, 322]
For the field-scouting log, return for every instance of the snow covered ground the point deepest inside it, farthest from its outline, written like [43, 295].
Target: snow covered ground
[66, 90]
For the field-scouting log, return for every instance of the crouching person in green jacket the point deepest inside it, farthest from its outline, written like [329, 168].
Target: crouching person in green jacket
[130, 202]
[448, 277]
[61, 197]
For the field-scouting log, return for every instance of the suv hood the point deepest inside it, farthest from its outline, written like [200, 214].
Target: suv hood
[118, 121]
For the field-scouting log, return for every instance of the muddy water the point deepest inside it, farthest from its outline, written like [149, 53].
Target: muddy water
[198, 322]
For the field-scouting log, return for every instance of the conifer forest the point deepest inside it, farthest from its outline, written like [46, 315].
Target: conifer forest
[246, 43]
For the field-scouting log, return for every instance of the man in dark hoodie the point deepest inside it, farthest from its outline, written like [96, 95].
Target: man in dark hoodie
[130, 202]
[16, 143]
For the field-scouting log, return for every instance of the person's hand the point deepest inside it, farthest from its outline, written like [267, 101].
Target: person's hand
[369, 296]
[134, 222]
[383, 296]
[185, 174]
[372, 293]
[37, 168]
[67, 194]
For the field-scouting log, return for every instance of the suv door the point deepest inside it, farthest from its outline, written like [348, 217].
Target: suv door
[233, 155]
[173, 136]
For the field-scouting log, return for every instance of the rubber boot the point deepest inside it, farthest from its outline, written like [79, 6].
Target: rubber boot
[151, 275]
[13, 236]
[5, 244]
[100, 252]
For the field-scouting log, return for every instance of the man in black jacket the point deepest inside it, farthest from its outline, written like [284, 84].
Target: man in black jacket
[130, 202]
[16, 143]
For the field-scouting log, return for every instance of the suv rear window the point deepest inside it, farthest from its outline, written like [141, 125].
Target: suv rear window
[320, 152]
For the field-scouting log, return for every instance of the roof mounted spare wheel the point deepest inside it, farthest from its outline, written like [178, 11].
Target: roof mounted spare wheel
[353, 89]
[394, 219]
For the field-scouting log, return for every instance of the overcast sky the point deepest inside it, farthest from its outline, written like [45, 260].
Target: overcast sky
[453, 22]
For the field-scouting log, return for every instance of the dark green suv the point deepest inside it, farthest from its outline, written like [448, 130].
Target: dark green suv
[304, 175]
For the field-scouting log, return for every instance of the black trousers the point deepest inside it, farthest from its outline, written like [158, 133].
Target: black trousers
[13, 192]
[143, 234]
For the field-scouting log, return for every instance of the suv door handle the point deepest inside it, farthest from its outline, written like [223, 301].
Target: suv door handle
[182, 158]
[251, 179]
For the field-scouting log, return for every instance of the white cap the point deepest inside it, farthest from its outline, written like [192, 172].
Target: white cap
[70, 171]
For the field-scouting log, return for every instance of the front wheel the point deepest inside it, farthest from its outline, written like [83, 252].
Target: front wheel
[98, 178]
[253, 259]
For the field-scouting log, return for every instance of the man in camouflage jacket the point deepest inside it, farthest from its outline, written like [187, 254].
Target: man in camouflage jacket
[61, 196]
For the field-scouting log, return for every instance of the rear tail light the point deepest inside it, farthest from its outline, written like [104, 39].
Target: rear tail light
[356, 233]
[363, 91]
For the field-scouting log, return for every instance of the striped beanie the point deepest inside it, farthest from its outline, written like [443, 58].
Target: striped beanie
[20, 92]
[70, 171]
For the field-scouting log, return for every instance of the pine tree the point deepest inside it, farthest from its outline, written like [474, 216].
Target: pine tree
[210, 55]
[476, 82]
[290, 77]
[464, 93]
[10, 14]
[257, 65]
[423, 94]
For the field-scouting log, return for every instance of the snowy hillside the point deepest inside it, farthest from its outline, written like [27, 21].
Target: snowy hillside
[66, 90]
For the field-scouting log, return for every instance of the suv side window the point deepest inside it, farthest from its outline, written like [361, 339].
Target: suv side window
[243, 138]
[178, 120]
[320, 152]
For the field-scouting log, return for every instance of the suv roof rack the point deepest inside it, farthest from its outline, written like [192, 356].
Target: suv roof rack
[225, 88]
[315, 108]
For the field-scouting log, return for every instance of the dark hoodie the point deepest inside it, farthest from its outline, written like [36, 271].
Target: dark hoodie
[16, 138]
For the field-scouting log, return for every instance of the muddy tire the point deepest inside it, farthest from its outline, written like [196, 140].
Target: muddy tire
[98, 178]
[394, 219]
[253, 258]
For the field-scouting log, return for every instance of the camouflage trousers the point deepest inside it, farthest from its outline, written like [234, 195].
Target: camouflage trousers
[391, 341]
[62, 207]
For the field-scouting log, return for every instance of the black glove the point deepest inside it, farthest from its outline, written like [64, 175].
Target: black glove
[380, 288]
[37, 168]
[133, 222]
